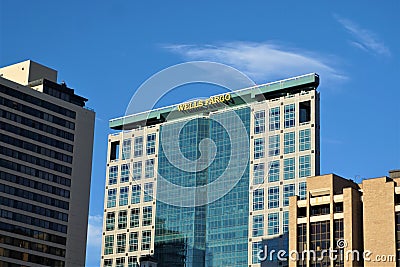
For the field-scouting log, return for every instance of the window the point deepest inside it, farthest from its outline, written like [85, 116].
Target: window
[123, 195]
[256, 247]
[122, 219]
[274, 145]
[273, 223]
[137, 170]
[259, 122]
[133, 241]
[147, 215]
[258, 199]
[288, 191]
[320, 210]
[124, 173]
[111, 198]
[108, 244]
[273, 197]
[273, 173]
[126, 149]
[289, 143]
[288, 168]
[135, 214]
[121, 243]
[302, 190]
[305, 111]
[151, 144]
[148, 192]
[132, 261]
[149, 168]
[138, 146]
[274, 119]
[305, 166]
[285, 221]
[320, 241]
[258, 225]
[289, 116]
[258, 148]
[338, 206]
[339, 235]
[305, 140]
[120, 262]
[110, 221]
[114, 151]
[135, 198]
[108, 263]
[302, 243]
[112, 175]
[146, 240]
[258, 173]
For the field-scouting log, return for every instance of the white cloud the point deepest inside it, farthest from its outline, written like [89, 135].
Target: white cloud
[364, 39]
[264, 61]
[93, 249]
[94, 230]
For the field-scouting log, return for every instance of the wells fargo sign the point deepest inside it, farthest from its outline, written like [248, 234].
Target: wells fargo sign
[204, 103]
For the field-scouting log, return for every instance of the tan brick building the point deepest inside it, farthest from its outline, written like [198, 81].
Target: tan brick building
[342, 223]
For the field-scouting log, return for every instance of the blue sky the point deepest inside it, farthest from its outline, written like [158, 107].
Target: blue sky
[106, 49]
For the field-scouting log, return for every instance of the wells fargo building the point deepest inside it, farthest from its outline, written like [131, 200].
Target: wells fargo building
[279, 129]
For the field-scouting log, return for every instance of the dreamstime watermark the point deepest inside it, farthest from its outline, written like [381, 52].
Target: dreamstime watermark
[340, 253]
[236, 144]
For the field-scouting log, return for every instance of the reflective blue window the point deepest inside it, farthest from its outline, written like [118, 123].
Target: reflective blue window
[151, 144]
[258, 199]
[288, 191]
[274, 119]
[148, 192]
[258, 148]
[259, 122]
[138, 146]
[285, 221]
[123, 195]
[258, 173]
[137, 170]
[124, 173]
[305, 166]
[290, 116]
[149, 168]
[111, 197]
[274, 145]
[126, 149]
[273, 173]
[289, 143]
[112, 175]
[273, 223]
[258, 225]
[135, 198]
[302, 190]
[289, 168]
[273, 197]
[305, 140]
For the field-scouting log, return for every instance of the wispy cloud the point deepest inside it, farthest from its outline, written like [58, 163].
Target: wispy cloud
[365, 40]
[94, 240]
[262, 61]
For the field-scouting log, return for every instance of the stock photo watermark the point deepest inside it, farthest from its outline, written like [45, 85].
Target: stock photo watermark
[340, 253]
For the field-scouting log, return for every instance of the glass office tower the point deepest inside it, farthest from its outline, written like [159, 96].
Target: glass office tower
[263, 140]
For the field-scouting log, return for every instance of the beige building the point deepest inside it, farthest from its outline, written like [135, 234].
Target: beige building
[46, 141]
[281, 120]
[342, 223]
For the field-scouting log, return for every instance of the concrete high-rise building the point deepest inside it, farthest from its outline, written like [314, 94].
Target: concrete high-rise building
[46, 142]
[358, 223]
[277, 128]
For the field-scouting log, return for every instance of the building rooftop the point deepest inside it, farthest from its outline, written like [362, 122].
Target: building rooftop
[255, 93]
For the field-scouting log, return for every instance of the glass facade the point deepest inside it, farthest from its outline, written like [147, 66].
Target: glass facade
[214, 234]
